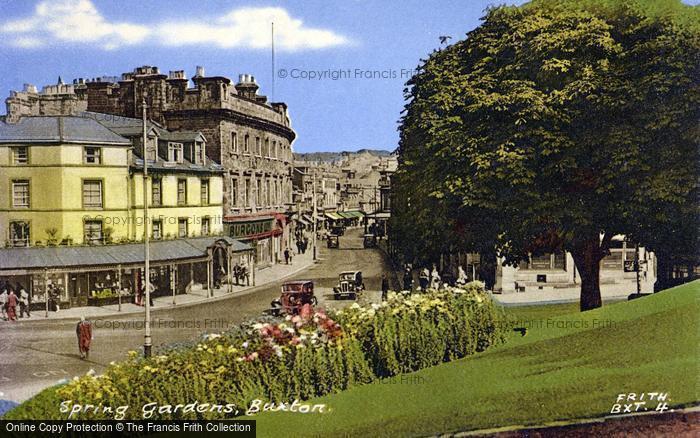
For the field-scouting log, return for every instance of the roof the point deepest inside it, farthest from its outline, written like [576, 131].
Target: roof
[130, 126]
[35, 258]
[59, 129]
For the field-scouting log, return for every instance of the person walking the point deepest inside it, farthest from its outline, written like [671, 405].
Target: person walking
[286, 256]
[407, 279]
[23, 301]
[424, 278]
[434, 278]
[3, 302]
[12, 306]
[461, 276]
[84, 332]
[385, 287]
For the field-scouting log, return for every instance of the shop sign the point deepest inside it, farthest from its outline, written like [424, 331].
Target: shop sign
[239, 230]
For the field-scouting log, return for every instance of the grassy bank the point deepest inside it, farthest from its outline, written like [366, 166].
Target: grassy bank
[568, 365]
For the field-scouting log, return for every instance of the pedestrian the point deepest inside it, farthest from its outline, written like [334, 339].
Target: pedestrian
[12, 306]
[245, 273]
[286, 256]
[407, 279]
[3, 302]
[424, 278]
[84, 332]
[298, 243]
[306, 244]
[461, 276]
[23, 301]
[434, 278]
[385, 287]
[151, 292]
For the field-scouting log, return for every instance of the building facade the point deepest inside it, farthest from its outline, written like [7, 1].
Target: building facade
[72, 181]
[248, 136]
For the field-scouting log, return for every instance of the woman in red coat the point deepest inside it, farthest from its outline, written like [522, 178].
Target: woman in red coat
[84, 333]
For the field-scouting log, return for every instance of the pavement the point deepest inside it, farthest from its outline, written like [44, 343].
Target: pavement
[39, 352]
[263, 276]
[557, 296]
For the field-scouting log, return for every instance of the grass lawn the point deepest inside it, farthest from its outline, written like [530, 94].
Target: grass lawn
[568, 365]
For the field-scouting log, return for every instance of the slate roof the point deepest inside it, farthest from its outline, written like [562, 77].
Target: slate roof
[34, 258]
[59, 129]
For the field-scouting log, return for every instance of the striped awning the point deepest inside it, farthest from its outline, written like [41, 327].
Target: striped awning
[334, 216]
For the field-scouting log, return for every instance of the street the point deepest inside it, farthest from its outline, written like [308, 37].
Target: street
[36, 354]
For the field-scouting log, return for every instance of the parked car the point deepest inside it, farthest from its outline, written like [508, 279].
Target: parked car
[350, 284]
[338, 230]
[333, 241]
[294, 295]
[369, 241]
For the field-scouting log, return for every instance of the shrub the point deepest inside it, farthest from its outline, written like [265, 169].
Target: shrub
[280, 360]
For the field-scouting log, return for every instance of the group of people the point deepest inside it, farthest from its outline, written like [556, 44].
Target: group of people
[12, 298]
[302, 243]
[241, 273]
[431, 278]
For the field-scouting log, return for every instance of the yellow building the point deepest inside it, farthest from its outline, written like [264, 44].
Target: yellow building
[79, 180]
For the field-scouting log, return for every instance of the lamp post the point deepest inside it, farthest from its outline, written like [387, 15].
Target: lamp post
[146, 247]
[314, 232]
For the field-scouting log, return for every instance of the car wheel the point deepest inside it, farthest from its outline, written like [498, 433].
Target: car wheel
[314, 301]
[353, 296]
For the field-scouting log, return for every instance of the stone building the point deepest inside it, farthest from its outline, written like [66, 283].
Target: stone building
[250, 137]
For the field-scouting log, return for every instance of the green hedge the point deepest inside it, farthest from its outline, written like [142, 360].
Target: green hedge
[283, 360]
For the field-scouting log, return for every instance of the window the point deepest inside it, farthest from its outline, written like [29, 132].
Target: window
[246, 193]
[246, 144]
[234, 142]
[267, 148]
[205, 226]
[20, 155]
[182, 227]
[258, 146]
[19, 233]
[92, 194]
[20, 194]
[157, 192]
[92, 155]
[181, 192]
[268, 192]
[234, 192]
[258, 193]
[175, 154]
[157, 229]
[92, 232]
[204, 192]
[199, 153]
[274, 149]
[545, 261]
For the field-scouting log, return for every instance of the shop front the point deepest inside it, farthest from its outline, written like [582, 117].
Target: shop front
[59, 277]
[265, 233]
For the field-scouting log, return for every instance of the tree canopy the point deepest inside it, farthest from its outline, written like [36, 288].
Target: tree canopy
[554, 125]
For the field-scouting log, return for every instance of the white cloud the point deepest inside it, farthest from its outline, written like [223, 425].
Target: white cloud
[79, 22]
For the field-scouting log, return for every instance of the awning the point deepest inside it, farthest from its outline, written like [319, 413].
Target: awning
[351, 214]
[109, 256]
[334, 216]
[303, 220]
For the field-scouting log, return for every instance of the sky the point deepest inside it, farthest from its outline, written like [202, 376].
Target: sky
[341, 66]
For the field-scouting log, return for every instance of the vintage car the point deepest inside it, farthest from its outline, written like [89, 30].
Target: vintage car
[349, 285]
[369, 241]
[294, 295]
[333, 241]
[338, 230]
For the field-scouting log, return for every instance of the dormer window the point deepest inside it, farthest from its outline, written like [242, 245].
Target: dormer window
[20, 155]
[175, 152]
[199, 153]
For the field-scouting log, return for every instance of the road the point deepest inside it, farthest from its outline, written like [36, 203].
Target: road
[37, 354]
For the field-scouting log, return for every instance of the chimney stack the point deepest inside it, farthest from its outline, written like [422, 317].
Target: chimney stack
[200, 71]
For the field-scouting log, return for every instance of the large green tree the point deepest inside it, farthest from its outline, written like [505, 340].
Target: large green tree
[555, 125]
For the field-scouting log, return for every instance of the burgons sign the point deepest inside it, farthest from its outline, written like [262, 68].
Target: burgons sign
[246, 229]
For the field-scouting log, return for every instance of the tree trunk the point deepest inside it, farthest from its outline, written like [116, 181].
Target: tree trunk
[587, 257]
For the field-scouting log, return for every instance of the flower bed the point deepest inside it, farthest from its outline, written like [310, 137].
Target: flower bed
[281, 360]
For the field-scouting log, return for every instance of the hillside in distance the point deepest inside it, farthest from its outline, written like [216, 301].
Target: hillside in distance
[330, 157]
